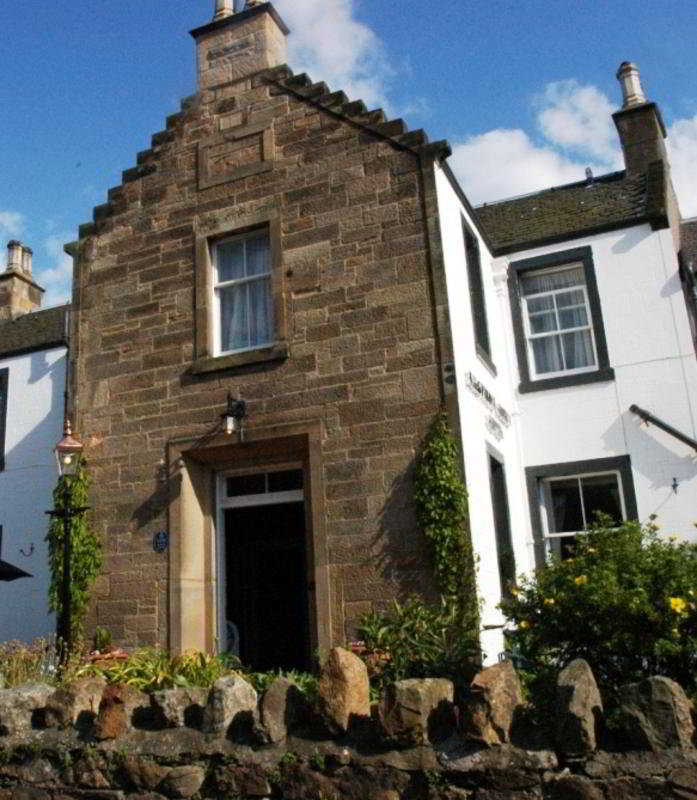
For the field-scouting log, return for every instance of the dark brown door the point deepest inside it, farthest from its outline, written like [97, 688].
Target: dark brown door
[266, 585]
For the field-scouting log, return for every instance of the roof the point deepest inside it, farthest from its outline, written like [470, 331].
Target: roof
[608, 202]
[37, 330]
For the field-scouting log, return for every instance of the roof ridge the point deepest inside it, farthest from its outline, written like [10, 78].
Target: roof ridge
[608, 177]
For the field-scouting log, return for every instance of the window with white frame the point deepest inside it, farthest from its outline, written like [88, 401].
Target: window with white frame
[571, 504]
[557, 321]
[564, 499]
[242, 288]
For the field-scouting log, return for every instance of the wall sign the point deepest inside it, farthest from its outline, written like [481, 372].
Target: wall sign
[160, 541]
[499, 412]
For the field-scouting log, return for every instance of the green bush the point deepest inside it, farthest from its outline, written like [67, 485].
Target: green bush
[626, 602]
[420, 640]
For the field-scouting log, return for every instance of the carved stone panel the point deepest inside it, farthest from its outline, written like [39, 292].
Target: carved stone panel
[235, 153]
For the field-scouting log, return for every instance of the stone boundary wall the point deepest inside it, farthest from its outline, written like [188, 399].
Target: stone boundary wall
[97, 742]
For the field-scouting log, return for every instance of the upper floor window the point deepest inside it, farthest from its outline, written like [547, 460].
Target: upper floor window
[557, 321]
[476, 292]
[242, 287]
[4, 375]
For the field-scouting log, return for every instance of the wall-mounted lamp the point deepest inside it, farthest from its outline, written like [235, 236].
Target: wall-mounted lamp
[233, 415]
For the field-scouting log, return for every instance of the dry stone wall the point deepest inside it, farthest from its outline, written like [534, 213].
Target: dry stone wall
[414, 745]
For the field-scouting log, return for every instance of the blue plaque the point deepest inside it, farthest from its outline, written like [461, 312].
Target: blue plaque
[160, 541]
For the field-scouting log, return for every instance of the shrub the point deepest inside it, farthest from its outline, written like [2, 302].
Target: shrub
[420, 640]
[626, 602]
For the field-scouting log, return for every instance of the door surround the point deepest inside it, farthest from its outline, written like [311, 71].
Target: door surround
[193, 465]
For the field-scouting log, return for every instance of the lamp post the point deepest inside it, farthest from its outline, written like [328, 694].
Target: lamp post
[68, 454]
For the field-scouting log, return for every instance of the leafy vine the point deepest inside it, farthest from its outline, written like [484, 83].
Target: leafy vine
[86, 550]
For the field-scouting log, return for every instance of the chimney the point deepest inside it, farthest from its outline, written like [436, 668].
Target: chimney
[27, 254]
[223, 8]
[639, 123]
[18, 292]
[14, 255]
[236, 45]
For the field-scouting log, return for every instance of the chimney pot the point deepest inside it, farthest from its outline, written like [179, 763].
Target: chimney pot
[632, 93]
[27, 254]
[223, 8]
[14, 255]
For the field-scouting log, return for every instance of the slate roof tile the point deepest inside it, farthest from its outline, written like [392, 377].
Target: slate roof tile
[34, 331]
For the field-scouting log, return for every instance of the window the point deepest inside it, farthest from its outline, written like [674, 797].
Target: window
[242, 286]
[476, 291]
[560, 339]
[4, 373]
[240, 291]
[557, 321]
[564, 499]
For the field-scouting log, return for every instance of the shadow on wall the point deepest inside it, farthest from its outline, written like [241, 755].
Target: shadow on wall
[403, 556]
[649, 457]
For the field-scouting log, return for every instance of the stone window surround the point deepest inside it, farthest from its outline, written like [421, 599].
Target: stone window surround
[209, 229]
[193, 586]
[533, 476]
[4, 382]
[603, 372]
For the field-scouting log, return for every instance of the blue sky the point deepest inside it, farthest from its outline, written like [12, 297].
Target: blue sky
[522, 90]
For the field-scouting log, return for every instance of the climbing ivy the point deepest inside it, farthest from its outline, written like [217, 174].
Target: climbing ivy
[86, 550]
[441, 510]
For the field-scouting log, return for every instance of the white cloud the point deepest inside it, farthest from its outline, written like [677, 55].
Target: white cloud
[577, 131]
[682, 152]
[506, 162]
[331, 45]
[11, 223]
[579, 119]
[56, 279]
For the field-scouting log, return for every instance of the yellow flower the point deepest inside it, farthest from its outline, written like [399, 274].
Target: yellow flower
[591, 550]
[581, 580]
[549, 601]
[524, 624]
[677, 604]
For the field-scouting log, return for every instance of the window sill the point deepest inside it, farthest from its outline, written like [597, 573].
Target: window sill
[485, 358]
[276, 352]
[562, 381]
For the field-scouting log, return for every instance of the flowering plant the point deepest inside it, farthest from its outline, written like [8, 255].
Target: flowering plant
[626, 602]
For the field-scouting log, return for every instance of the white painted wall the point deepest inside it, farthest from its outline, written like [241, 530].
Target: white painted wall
[473, 413]
[34, 425]
[650, 348]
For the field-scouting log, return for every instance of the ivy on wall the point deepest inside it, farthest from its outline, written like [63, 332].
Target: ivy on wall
[86, 550]
[440, 498]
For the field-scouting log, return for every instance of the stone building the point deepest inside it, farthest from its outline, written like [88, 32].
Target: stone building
[276, 243]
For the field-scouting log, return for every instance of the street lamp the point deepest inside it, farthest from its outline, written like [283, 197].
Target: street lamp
[68, 454]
